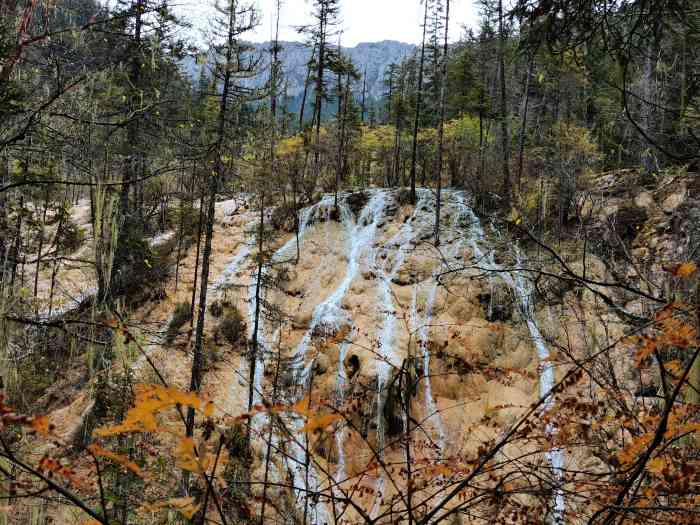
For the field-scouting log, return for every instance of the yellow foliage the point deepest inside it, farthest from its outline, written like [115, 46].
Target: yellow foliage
[375, 140]
[150, 401]
[290, 146]
[572, 143]
[441, 470]
[685, 270]
[656, 465]
[464, 130]
[187, 459]
[185, 506]
[98, 451]
[320, 422]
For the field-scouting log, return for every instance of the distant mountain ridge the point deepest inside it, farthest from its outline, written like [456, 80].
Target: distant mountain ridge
[372, 57]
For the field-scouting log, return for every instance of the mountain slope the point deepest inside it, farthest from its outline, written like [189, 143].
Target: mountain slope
[373, 58]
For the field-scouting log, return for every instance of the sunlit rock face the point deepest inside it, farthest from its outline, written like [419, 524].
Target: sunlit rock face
[388, 330]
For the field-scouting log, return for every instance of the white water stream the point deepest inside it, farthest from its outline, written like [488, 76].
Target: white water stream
[523, 292]
[462, 229]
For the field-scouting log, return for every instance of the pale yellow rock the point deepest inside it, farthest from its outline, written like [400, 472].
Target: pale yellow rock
[644, 199]
[672, 202]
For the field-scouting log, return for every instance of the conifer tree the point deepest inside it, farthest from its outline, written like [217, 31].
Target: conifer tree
[441, 122]
[418, 103]
[236, 19]
[321, 34]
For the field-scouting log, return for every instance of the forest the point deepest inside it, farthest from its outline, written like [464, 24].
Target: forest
[472, 298]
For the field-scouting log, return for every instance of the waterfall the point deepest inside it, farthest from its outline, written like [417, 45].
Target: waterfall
[319, 514]
[387, 358]
[328, 316]
[232, 268]
[523, 292]
[461, 229]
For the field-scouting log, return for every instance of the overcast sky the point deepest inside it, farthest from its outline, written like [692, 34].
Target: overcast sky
[363, 20]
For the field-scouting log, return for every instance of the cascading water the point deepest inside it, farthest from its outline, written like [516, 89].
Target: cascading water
[302, 483]
[386, 353]
[454, 244]
[416, 228]
[328, 317]
[232, 268]
[523, 292]
[384, 262]
[555, 456]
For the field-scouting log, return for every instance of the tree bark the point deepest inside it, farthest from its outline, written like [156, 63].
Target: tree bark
[505, 138]
[523, 124]
[441, 126]
[419, 100]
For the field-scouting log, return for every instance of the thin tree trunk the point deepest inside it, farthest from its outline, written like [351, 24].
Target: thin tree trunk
[523, 124]
[268, 455]
[505, 138]
[319, 93]
[397, 137]
[306, 90]
[4, 238]
[54, 269]
[646, 156]
[419, 101]
[441, 127]
[256, 321]
[198, 352]
[341, 138]
[273, 96]
[18, 242]
[407, 393]
[132, 129]
[196, 257]
[41, 247]
[364, 95]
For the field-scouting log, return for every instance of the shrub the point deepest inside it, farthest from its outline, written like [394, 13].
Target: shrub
[70, 237]
[232, 327]
[216, 309]
[181, 315]
[357, 201]
[185, 216]
[284, 218]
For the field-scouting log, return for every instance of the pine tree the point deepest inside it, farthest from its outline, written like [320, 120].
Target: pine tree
[320, 35]
[418, 103]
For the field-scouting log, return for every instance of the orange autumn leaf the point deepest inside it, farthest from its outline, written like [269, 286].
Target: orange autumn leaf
[656, 465]
[631, 452]
[320, 422]
[441, 470]
[648, 347]
[117, 458]
[150, 401]
[41, 425]
[684, 270]
[185, 506]
[301, 407]
[186, 457]
[54, 467]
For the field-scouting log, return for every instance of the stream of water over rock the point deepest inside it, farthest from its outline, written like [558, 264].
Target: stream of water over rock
[461, 231]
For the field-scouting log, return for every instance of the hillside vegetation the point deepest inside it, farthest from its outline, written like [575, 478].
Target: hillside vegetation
[261, 284]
